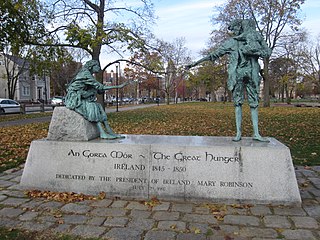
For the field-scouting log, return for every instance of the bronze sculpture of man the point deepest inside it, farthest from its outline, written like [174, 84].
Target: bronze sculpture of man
[244, 50]
[81, 97]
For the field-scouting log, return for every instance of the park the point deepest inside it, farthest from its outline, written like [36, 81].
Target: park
[295, 126]
[181, 130]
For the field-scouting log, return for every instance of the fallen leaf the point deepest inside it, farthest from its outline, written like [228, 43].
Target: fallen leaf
[174, 226]
[102, 195]
[66, 197]
[154, 201]
[197, 231]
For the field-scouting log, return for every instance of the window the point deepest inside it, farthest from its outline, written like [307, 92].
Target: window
[26, 91]
[12, 102]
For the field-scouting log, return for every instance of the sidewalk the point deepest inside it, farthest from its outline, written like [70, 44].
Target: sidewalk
[48, 119]
[119, 219]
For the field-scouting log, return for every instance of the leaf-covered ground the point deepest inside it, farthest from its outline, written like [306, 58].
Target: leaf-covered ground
[298, 128]
[15, 142]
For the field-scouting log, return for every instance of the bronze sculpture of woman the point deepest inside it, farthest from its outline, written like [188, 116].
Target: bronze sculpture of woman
[81, 97]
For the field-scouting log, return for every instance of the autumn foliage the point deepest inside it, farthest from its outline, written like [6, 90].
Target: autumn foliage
[66, 197]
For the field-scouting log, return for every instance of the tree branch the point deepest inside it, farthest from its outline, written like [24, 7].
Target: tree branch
[133, 63]
[92, 5]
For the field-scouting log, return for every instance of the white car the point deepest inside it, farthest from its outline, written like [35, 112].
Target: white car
[57, 100]
[9, 106]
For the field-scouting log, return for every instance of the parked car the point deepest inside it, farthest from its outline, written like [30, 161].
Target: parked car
[127, 99]
[9, 106]
[57, 101]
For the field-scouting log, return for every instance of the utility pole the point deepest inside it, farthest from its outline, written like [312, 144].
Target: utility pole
[117, 90]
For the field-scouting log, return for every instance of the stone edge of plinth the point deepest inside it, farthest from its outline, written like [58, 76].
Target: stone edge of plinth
[163, 140]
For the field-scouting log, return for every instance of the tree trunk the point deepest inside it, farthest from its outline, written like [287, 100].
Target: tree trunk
[96, 51]
[266, 83]
[287, 94]
[282, 92]
[168, 97]
[12, 87]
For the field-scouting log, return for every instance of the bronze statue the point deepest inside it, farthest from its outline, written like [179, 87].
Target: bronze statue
[81, 97]
[244, 50]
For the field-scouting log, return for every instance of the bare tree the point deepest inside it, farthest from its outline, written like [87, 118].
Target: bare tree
[311, 63]
[144, 68]
[92, 25]
[175, 55]
[97, 25]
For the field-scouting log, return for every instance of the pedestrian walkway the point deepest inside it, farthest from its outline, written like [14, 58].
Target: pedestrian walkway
[48, 119]
[121, 219]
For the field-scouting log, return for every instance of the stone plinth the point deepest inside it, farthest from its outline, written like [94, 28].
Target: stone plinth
[67, 125]
[169, 167]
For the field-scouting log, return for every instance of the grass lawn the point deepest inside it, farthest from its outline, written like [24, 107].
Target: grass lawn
[15, 234]
[298, 128]
[13, 117]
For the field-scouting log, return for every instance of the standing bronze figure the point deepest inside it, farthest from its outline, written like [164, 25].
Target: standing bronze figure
[244, 50]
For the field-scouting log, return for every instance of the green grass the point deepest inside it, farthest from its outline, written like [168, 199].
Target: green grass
[14, 234]
[13, 117]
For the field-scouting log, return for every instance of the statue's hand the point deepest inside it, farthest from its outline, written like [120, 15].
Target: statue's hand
[119, 86]
[187, 67]
[125, 84]
[105, 87]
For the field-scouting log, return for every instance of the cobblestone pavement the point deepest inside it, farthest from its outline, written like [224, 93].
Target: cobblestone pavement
[128, 219]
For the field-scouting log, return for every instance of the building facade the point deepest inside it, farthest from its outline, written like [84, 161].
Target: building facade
[29, 87]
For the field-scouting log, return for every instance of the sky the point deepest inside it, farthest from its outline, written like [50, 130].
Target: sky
[191, 19]
[185, 18]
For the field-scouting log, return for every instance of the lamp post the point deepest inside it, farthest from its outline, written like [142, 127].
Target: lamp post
[45, 88]
[117, 89]
[158, 91]
[119, 81]
[108, 98]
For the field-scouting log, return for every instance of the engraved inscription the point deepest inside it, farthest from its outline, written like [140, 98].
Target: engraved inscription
[127, 167]
[181, 157]
[163, 172]
[212, 158]
[120, 154]
[160, 156]
[207, 183]
[89, 154]
[236, 184]
[71, 177]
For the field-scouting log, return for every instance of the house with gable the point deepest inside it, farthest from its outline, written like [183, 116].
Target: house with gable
[29, 87]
